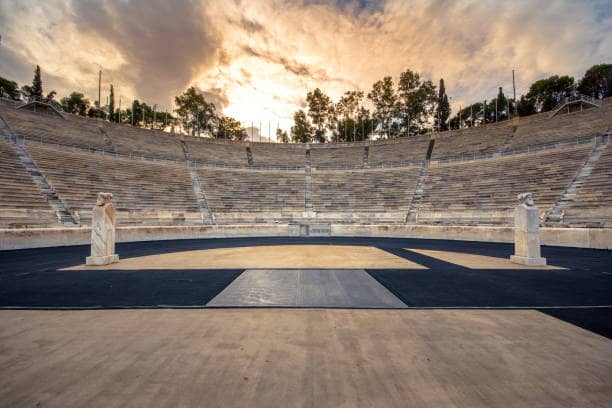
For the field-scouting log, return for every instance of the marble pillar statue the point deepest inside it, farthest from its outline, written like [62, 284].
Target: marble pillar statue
[527, 233]
[103, 232]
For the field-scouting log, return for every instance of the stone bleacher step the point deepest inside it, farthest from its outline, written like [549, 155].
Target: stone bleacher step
[47, 191]
[556, 214]
[417, 194]
[207, 216]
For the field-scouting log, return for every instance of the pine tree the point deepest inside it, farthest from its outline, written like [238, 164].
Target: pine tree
[502, 105]
[37, 88]
[111, 105]
[443, 108]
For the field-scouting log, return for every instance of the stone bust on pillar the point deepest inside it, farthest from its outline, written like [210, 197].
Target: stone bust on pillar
[103, 232]
[527, 232]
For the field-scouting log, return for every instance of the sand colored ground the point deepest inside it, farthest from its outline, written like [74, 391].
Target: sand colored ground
[474, 261]
[269, 257]
[300, 358]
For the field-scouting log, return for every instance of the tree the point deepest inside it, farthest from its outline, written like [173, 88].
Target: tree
[385, 101]
[301, 131]
[194, 112]
[417, 100]
[502, 106]
[468, 116]
[547, 93]
[282, 136]
[36, 90]
[320, 109]
[94, 112]
[526, 106]
[230, 128]
[9, 89]
[75, 103]
[597, 81]
[136, 113]
[346, 111]
[442, 109]
[111, 104]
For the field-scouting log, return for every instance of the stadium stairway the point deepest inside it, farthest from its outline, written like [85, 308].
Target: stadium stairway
[207, 216]
[308, 184]
[48, 192]
[66, 218]
[108, 143]
[415, 203]
[555, 217]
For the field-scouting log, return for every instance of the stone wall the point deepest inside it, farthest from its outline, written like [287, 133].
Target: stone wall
[600, 238]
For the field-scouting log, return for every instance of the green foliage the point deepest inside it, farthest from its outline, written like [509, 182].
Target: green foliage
[546, 93]
[301, 131]
[94, 112]
[229, 128]
[501, 106]
[75, 103]
[36, 90]
[321, 112]
[350, 117]
[526, 106]
[597, 81]
[385, 100]
[443, 109]
[136, 114]
[470, 116]
[282, 136]
[349, 103]
[9, 89]
[358, 127]
[111, 105]
[194, 112]
[416, 102]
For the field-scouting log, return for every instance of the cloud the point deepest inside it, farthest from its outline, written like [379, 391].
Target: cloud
[257, 60]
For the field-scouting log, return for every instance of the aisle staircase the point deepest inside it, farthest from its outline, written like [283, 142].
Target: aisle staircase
[308, 184]
[207, 216]
[65, 217]
[415, 203]
[554, 216]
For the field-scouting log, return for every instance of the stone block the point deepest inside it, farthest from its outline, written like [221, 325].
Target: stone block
[101, 260]
[527, 233]
[103, 232]
[528, 261]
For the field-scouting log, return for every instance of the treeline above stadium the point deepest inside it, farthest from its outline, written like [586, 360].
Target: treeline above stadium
[413, 106]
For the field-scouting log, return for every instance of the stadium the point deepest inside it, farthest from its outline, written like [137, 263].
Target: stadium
[374, 271]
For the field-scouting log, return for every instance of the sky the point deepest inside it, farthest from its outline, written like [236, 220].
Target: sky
[257, 59]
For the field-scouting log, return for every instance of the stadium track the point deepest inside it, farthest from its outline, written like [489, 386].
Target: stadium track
[580, 293]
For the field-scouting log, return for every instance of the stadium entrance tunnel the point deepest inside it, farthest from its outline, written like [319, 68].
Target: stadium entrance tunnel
[314, 272]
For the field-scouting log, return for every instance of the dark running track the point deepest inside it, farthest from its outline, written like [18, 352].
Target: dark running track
[581, 294]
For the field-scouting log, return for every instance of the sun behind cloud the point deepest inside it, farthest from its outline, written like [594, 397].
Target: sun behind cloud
[257, 60]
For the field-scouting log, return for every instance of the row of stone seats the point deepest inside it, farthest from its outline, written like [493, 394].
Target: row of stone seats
[21, 202]
[325, 156]
[216, 152]
[145, 192]
[143, 142]
[474, 140]
[364, 190]
[562, 126]
[274, 154]
[236, 195]
[53, 129]
[484, 191]
[410, 148]
[592, 205]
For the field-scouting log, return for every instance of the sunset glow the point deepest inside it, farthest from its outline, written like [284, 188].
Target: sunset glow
[257, 60]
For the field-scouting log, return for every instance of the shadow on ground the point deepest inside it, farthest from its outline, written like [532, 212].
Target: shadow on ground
[33, 279]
